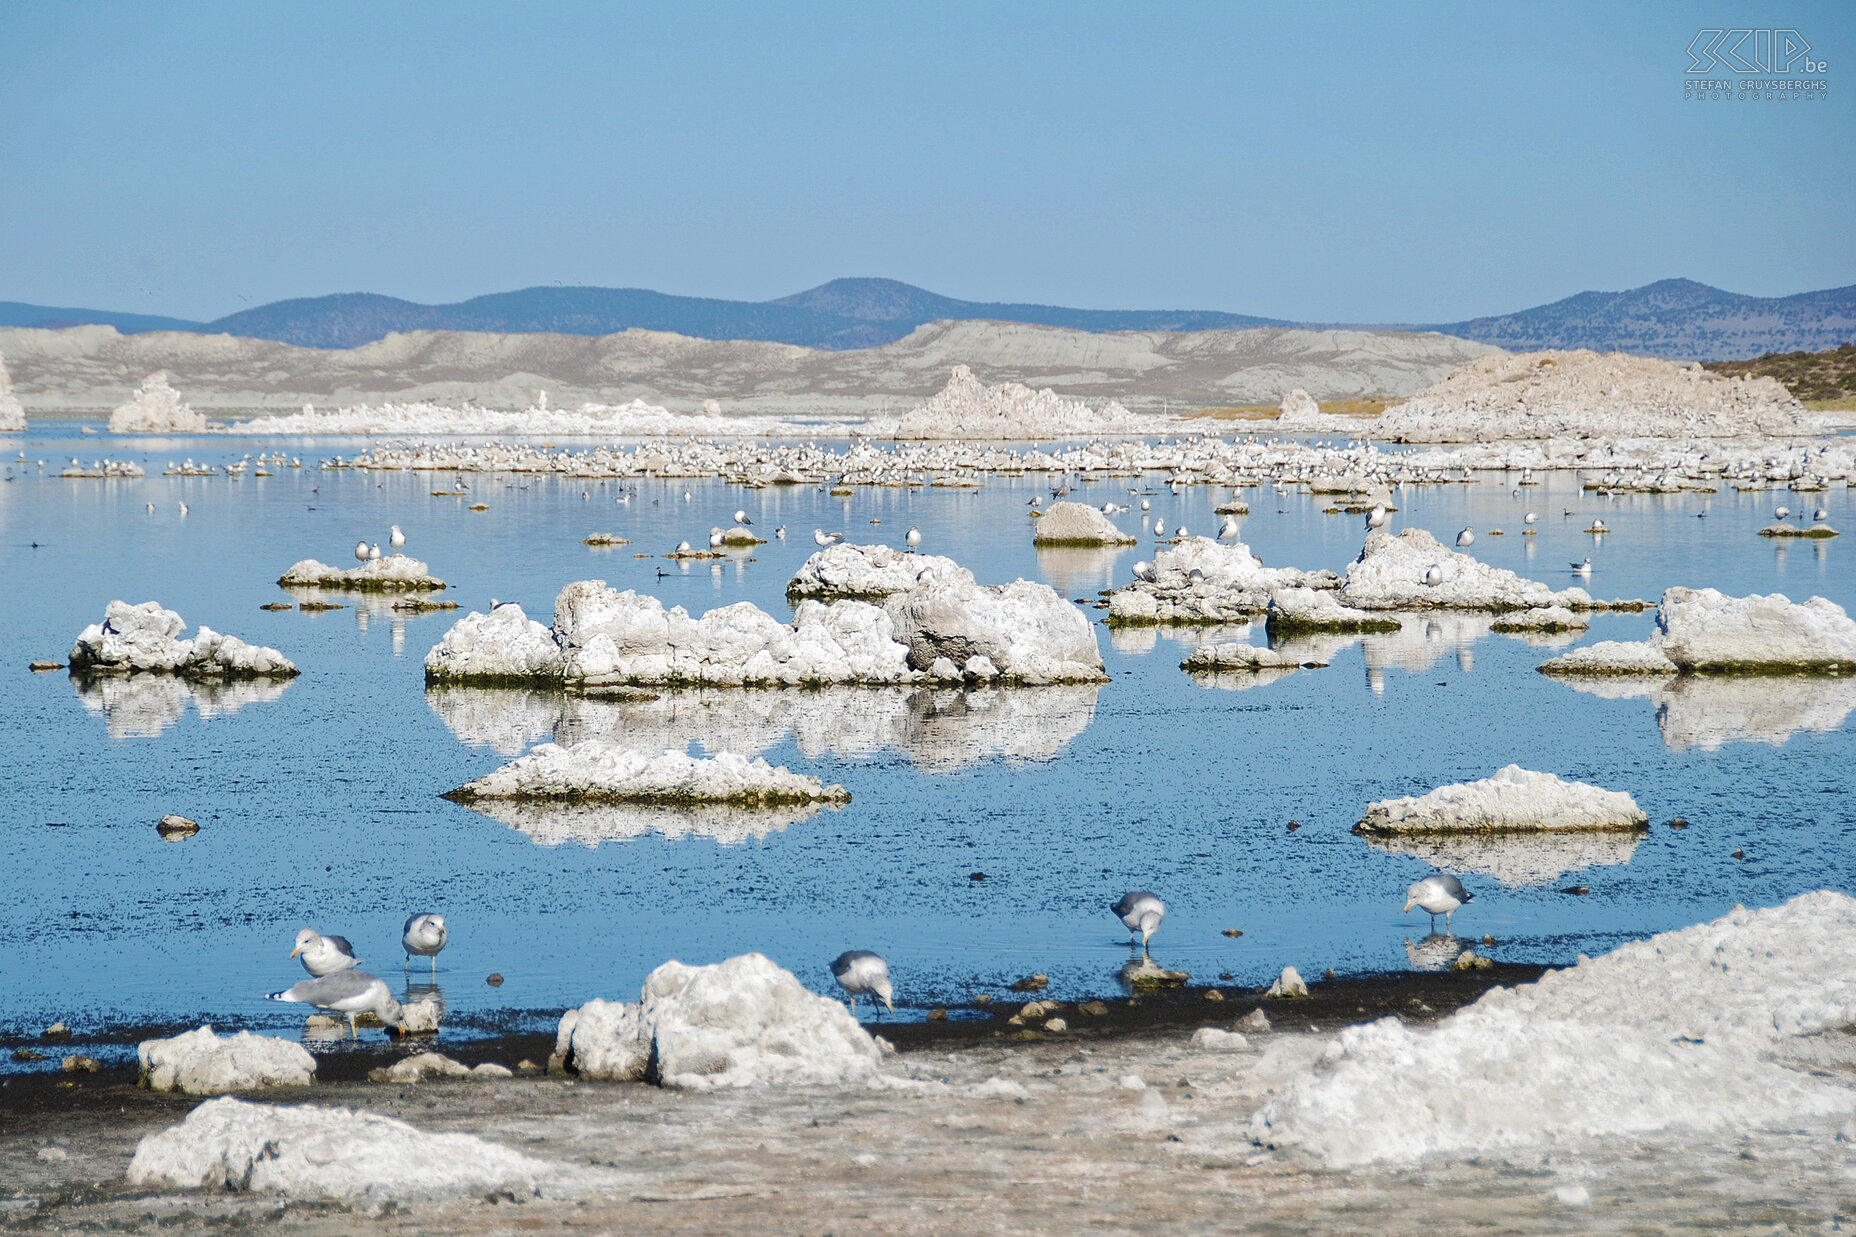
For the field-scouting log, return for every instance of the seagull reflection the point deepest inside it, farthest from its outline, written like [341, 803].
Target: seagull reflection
[1436, 952]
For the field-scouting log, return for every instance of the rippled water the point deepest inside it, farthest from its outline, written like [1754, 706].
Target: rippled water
[318, 801]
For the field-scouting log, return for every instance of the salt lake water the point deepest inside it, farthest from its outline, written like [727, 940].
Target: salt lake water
[318, 801]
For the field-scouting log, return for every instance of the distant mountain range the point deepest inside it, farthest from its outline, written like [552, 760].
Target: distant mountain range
[1676, 318]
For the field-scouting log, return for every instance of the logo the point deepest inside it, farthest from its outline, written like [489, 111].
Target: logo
[1754, 66]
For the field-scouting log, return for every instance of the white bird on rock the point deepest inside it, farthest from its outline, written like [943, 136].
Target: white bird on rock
[373, 552]
[1377, 517]
[1466, 538]
[823, 538]
[1782, 513]
[1821, 514]
[424, 935]
[1142, 912]
[1434, 575]
[1437, 895]
[397, 538]
[860, 972]
[360, 551]
[1228, 529]
[1144, 570]
[683, 547]
[324, 955]
[914, 538]
[715, 539]
[1159, 528]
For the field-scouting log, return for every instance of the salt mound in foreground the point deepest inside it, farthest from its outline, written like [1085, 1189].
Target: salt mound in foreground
[156, 408]
[339, 1154]
[1515, 800]
[1704, 631]
[601, 771]
[1584, 394]
[740, 1023]
[968, 408]
[145, 639]
[12, 412]
[1683, 1032]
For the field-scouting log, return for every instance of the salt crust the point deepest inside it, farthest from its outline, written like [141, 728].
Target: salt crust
[1584, 394]
[156, 408]
[869, 573]
[1514, 800]
[12, 412]
[339, 1154]
[1077, 524]
[740, 1023]
[145, 639]
[393, 573]
[202, 1063]
[1675, 1033]
[1233, 585]
[600, 770]
[1704, 631]
[968, 408]
[1389, 575]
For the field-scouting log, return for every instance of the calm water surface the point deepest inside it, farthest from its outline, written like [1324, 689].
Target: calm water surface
[319, 804]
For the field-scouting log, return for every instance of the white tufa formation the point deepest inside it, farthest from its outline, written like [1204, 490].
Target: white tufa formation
[599, 770]
[12, 412]
[1515, 800]
[1299, 412]
[394, 573]
[145, 639]
[1392, 570]
[1232, 585]
[201, 1063]
[1704, 631]
[869, 573]
[1077, 524]
[968, 408]
[156, 408]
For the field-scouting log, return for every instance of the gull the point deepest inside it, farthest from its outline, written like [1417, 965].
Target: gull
[1434, 575]
[1195, 577]
[914, 538]
[715, 538]
[151, 508]
[1180, 532]
[1144, 570]
[397, 539]
[360, 550]
[823, 538]
[1437, 895]
[1781, 513]
[1821, 514]
[425, 935]
[780, 532]
[324, 955]
[1377, 517]
[1466, 538]
[1142, 911]
[1036, 500]
[349, 993]
[741, 517]
[687, 496]
[1529, 518]
[1229, 528]
[683, 547]
[1144, 504]
[183, 508]
[1584, 567]
[860, 971]
[1159, 528]
[373, 551]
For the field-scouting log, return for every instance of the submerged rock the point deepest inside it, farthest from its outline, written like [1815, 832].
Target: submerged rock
[395, 573]
[1077, 524]
[1703, 631]
[743, 1022]
[156, 408]
[1515, 800]
[340, 1154]
[202, 1063]
[869, 573]
[1392, 570]
[145, 639]
[1230, 585]
[600, 770]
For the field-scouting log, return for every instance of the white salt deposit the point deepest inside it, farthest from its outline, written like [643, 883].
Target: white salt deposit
[635, 419]
[338, 1154]
[504, 646]
[12, 412]
[1232, 585]
[202, 1063]
[968, 408]
[1513, 800]
[868, 573]
[1021, 633]
[156, 408]
[1705, 631]
[1077, 524]
[1582, 394]
[1683, 1032]
[1299, 413]
[740, 1023]
[146, 639]
[1391, 571]
[393, 573]
[601, 770]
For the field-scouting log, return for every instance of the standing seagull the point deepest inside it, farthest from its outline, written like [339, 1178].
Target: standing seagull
[1229, 528]
[1142, 912]
[324, 955]
[1437, 895]
[398, 538]
[1466, 538]
[424, 935]
[360, 551]
[914, 538]
[349, 993]
[860, 971]
[1377, 517]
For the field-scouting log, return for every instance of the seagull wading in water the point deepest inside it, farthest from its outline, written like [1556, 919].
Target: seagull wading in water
[424, 935]
[324, 955]
[858, 971]
[1142, 911]
[349, 993]
[1437, 895]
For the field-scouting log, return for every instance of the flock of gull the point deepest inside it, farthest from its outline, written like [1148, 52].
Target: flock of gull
[338, 985]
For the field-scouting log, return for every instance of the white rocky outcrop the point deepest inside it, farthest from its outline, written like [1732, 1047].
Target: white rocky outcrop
[156, 408]
[743, 1022]
[1077, 524]
[1232, 584]
[1514, 800]
[505, 646]
[1704, 631]
[869, 573]
[1686, 1032]
[634, 418]
[1391, 570]
[1020, 633]
[599, 770]
[392, 574]
[12, 412]
[1583, 394]
[337, 1154]
[145, 639]
[1300, 412]
[1296, 610]
[202, 1063]
[1237, 656]
[968, 408]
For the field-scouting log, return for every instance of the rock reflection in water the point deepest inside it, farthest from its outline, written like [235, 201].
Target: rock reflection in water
[1239, 680]
[141, 706]
[1709, 711]
[937, 729]
[1080, 571]
[1436, 952]
[1516, 858]
[589, 824]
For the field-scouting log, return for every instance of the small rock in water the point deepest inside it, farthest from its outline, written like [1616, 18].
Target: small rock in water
[1056, 1025]
[1739, 854]
[320, 1022]
[1212, 994]
[39, 667]
[81, 1065]
[1294, 825]
[1226, 976]
[1094, 1009]
[1328, 974]
[1678, 822]
[173, 828]
[1032, 983]
[526, 1066]
[1470, 960]
[495, 979]
[57, 1030]
[1488, 941]
[1578, 890]
[976, 876]
[937, 1014]
[27, 1054]
[276, 605]
[984, 998]
[1233, 933]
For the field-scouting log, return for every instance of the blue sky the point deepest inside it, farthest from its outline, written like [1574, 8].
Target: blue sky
[1322, 162]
